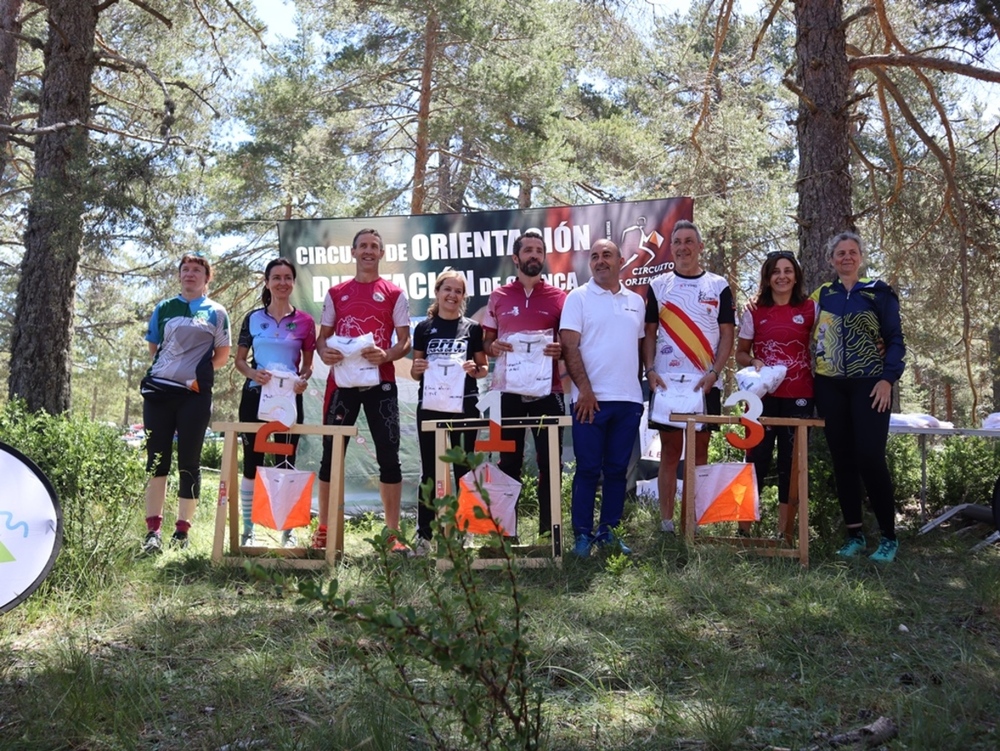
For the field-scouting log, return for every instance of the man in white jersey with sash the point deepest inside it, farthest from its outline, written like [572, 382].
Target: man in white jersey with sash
[690, 329]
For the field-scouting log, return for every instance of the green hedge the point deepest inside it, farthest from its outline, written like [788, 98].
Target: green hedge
[99, 481]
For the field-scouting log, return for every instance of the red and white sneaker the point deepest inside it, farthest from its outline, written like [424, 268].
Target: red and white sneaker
[319, 539]
[395, 546]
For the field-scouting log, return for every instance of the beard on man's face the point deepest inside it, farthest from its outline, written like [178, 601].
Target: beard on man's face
[531, 266]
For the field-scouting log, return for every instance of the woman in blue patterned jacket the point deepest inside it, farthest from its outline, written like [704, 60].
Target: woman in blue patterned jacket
[858, 318]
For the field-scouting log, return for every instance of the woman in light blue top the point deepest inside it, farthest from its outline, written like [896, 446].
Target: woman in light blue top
[282, 338]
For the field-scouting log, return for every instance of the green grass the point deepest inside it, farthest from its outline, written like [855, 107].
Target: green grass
[677, 648]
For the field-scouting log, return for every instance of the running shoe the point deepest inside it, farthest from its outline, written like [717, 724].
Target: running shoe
[421, 550]
[288, 539]
[667, 526]
[613, 544]
[247, 540]
[582, 545]
[395, 546]
[853, 547]
[886, 552]
[319, 539]
[179, 539]
[153, 544]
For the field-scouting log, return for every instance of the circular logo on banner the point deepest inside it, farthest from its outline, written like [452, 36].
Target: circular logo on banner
[30, 527]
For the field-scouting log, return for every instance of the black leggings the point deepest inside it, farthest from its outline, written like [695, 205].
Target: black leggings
[857, 435]
[760, 455]
[249, 404]
[187, 414]
[381, 405]
[511, 462]
[428, 458]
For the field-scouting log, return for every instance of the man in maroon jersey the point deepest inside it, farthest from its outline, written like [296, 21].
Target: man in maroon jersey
[528, 303]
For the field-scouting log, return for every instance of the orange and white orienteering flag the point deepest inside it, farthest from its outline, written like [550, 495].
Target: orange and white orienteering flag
[282, 498]
[726, 493]
[499, 513]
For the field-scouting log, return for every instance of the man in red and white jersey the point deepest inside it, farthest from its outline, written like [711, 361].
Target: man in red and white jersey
[366, 304]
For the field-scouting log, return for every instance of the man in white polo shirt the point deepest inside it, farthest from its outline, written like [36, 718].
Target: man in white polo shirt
[602, 323]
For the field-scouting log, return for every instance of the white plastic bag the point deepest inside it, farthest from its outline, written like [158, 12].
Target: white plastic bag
[277, 398]
[354, 371]
[444, 383]
[762, 382]
[679, 396]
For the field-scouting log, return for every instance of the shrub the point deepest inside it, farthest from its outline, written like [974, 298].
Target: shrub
[211, 452]
[98, 480]
[903, 455]
[468, 633]
[962, 471]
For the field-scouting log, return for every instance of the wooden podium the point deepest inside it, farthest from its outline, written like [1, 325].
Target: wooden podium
[228, 507]
[443, 481]
[799, 491]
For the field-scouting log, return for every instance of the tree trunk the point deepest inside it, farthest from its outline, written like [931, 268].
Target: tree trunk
[43, 326]
[824, 181]
[995, 366]
[422, 151]
[10, 11]
[524, 188]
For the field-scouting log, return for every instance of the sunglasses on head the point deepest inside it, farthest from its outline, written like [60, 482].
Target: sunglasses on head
[781, 254]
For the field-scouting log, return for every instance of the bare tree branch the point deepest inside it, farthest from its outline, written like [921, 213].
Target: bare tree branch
[34, 42]
[772, 14]
[169, 106]
[169, 141]
[956, 210]
[890, 137]
[154, 13]
[916, 62]
[721, 31]
[211, 32]
[793, 87]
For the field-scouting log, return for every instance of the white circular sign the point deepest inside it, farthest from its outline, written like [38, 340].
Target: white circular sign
[30, 527]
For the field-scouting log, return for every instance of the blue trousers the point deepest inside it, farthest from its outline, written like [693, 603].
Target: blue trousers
[603, 447]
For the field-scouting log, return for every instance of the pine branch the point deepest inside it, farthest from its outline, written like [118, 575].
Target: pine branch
[55, 127]
[957, 212]
[168, 104]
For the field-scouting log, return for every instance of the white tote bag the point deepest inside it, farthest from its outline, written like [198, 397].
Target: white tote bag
[444, 383]
[354, 371]
[528, 369]
[277, 398]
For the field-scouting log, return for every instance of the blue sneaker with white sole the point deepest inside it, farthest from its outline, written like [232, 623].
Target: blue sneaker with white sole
[854, 546]
[886, 552]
